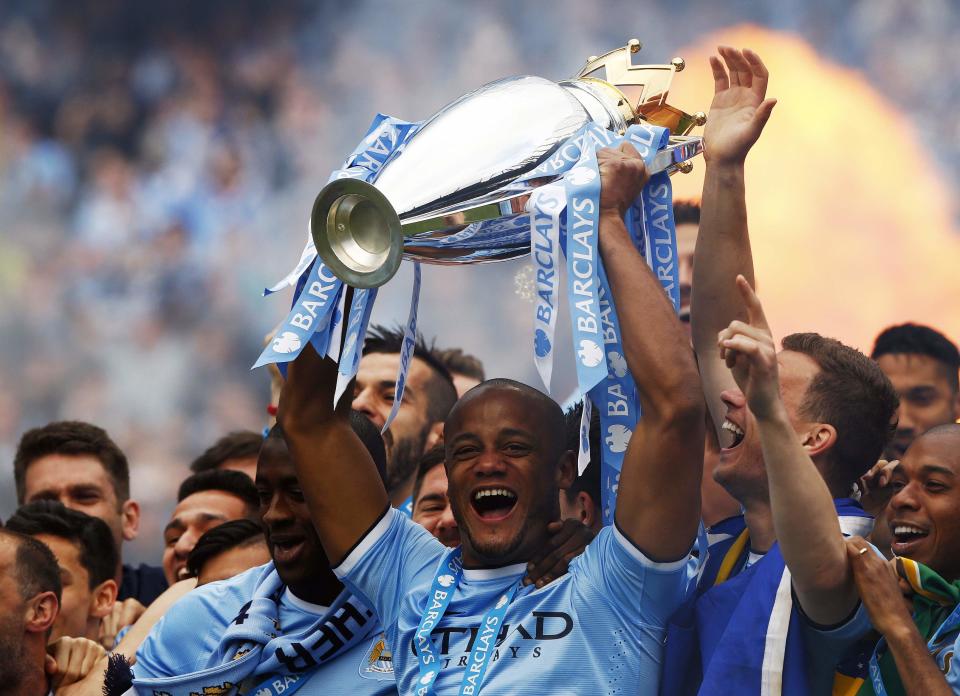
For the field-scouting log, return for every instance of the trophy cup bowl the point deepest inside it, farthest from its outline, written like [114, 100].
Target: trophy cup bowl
[456, 192]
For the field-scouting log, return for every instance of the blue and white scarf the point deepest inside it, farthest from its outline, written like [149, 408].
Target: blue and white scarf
[254, 646]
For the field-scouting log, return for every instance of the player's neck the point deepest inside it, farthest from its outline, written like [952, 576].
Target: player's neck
[474, 560]
[759, 521]
[322, 589]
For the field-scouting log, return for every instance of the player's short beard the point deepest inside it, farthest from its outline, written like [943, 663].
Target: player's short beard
[405, 459]
[13, 662]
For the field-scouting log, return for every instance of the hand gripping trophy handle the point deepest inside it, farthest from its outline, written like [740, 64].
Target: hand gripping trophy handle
[455, 193]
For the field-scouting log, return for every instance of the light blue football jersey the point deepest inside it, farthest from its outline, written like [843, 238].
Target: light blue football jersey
[597, 630]
[190, 632]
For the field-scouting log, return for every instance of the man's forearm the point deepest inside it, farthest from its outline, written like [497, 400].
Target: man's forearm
[659, 492]
[918, 671]
[722, 252]
[654, 343]
[336, 472]
[806, 523]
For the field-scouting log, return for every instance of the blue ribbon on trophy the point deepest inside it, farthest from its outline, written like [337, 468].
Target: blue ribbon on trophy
[506, 170]
[406, 350]
[602, 372]
[318, 308]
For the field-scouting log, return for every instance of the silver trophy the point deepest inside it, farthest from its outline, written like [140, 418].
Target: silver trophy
[448, 199]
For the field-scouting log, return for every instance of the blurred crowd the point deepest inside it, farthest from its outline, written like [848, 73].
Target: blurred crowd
[150, 153]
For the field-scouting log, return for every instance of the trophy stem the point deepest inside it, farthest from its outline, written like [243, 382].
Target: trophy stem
[357, 233]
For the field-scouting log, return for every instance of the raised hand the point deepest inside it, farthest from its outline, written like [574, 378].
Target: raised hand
[622, 175]
[749, 351]
[739, 110]
[876, 487]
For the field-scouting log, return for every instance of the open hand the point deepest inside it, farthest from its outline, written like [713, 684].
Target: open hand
[739, 110]
[751, 355]
[567, 541]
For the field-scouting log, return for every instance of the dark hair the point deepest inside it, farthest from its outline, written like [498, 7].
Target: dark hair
[241, 444]
[235, 483]
[916, 339]
[430, 459]
[364, 429]
[686, 212]
[589, 481]
[37, 569]
[459, 363]
[851, 393]
[553, 425]
[91, 535]
[235, 534]
[72, 438]
[441, 394]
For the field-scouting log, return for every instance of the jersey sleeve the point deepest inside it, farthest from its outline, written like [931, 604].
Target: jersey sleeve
[396, 555]
[174, 646]
[612, 568]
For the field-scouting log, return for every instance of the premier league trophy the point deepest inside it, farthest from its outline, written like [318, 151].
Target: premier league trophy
[507, 170]
[458, 190]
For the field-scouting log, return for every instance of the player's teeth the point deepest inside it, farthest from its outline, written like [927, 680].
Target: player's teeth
[493, 491]
[903, 529]
[732, 427]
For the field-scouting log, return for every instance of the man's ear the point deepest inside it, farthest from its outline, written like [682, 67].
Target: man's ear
[956, 406]
[42, 611]
[566, 470]
[434, 437]
[819, 438]
[103, 598]
[130, 520]
[589, 510]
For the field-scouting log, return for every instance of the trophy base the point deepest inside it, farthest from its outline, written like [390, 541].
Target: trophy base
[357, 233]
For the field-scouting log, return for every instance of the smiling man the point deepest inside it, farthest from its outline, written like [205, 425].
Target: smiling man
[431, 504]
[923, 366]
[287, 622]
[601, 626]
[204, 501]
[913, 601]
[792, 467]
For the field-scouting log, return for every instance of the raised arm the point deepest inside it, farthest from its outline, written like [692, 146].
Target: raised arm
[804, 517]
[337, 475]
[737, 116]
[658, 501]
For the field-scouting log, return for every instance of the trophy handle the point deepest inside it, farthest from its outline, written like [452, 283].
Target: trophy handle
[357, 233]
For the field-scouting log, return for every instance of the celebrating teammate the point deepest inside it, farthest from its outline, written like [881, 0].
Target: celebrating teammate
[793, 448]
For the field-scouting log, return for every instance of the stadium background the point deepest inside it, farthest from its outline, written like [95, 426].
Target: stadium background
[158, 162]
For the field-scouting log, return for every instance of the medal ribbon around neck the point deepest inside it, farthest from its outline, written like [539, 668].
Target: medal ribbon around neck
[441, 593]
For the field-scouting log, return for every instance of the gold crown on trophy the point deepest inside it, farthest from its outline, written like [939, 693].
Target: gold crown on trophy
[641, 90]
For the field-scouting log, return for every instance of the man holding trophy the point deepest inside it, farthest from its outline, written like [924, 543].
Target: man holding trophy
[462, 620]
[505, 462]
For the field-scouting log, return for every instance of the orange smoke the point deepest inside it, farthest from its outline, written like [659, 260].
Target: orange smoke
[849, 216]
